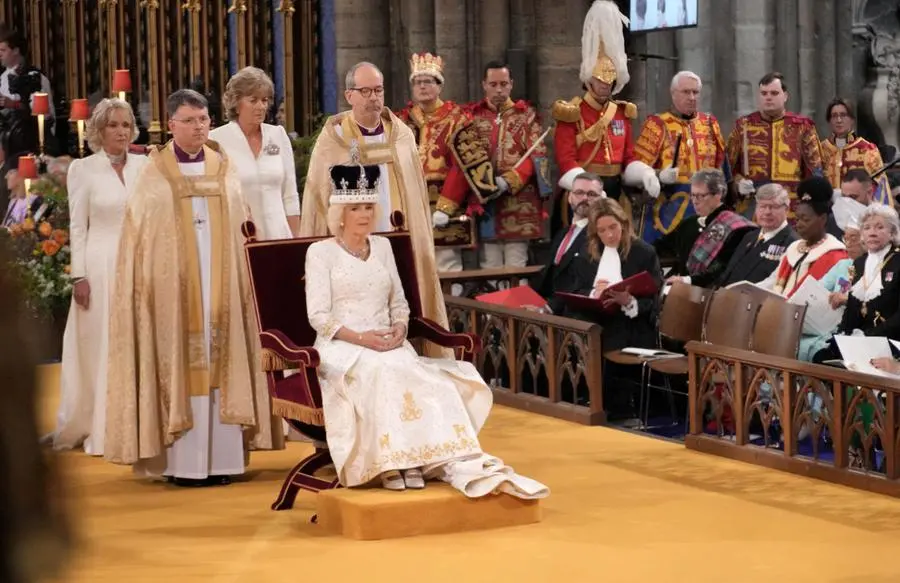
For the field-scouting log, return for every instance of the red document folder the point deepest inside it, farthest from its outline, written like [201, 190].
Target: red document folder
[514, 297]
[641, 285]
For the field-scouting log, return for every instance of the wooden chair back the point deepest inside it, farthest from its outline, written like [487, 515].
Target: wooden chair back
[778, 327]
[681, 318]
[729, 319]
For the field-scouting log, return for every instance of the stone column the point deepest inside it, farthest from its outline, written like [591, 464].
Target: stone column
[754, 30]
[724, 98]
[450, 37]
[787, 48]
[845, 61]
[696, 51]
[806, 104]
[558, 49]
[493, 32]
[362, 32]
[826, 61]
[652, 67]
[521, 48]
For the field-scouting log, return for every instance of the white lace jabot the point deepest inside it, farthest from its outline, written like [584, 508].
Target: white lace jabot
[610, 267]
[871, 276]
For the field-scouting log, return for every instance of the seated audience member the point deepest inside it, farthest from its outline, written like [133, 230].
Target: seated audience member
[704, 243]
[817, 254]
[858, 186]
[618, 254]
[571, 268]
[20, 207]
[390, 415]
[761, 249]
[873, 303]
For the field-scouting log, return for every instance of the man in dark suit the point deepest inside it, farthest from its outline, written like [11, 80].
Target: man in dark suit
[759, 252]
[571, 268]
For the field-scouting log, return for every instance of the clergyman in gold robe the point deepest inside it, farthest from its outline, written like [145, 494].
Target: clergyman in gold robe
[183, 382]
[381, 138]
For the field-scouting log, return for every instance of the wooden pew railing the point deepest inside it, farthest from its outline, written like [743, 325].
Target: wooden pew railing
[755, 408]
[481, 278]
[541, 363]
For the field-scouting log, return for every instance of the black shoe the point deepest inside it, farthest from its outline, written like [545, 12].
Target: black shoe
[218, 480]
[187, 482]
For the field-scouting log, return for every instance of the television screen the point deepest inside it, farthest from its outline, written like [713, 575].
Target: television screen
[651, 15]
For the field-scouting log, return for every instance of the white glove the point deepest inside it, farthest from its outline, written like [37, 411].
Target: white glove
[440, 219]
[651, 184]
[502, 184]
[745, 187]
[668, 176]
[639, 174]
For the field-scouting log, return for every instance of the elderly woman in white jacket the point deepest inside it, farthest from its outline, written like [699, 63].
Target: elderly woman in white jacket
[262, 155]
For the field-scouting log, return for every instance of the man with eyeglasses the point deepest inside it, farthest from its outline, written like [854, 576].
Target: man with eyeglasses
[571, 268]
[433, 122]
[760, 251]
[371, 133]
[183, 385]
[844, 151]
[704, 243]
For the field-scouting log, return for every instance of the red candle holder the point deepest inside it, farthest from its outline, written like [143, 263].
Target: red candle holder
[121, 83]
[27, 167]
[40, 104]
[79, 110]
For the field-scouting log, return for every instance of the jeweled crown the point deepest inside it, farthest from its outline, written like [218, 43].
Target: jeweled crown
[354, 183]
[426, 64]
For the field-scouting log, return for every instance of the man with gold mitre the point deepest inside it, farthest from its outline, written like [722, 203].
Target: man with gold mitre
[374, 134]
[772, 145]
[844, 151]
[433, 122]
[594, 133]
[499, 172]
[677, 144]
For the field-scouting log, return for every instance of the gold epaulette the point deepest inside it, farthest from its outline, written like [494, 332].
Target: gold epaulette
[566, 111]
[630, 109]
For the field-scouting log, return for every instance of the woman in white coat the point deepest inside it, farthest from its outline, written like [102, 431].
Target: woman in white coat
[262, 154]
[98, 188]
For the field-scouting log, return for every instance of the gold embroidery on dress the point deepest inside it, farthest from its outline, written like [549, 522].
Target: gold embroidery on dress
[416, 457]
[411, 411]
[460, 430]
[385, 441]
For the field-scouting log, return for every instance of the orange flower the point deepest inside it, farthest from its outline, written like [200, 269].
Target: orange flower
[45, 229]
[16, 230]
[28, 225]
[50, 247]
[60, 236]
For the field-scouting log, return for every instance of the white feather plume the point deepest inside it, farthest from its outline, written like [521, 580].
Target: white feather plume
[603, 26]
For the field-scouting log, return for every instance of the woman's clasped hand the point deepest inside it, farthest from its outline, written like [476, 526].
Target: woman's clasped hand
[385, 339]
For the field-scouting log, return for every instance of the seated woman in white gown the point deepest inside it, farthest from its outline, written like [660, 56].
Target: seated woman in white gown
[390, 414]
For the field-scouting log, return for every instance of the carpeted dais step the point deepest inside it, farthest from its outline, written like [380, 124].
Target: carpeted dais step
[375, 513]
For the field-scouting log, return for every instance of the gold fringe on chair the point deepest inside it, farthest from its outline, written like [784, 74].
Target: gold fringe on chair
[272, 361]
[297, 412]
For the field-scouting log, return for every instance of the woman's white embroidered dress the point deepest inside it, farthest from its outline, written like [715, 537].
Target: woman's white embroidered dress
[395, 410]
[97, 200]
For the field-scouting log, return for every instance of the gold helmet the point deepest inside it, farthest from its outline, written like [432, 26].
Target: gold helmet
[426, 64]
[603, 45]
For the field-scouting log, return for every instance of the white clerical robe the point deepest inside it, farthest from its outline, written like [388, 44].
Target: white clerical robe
[210, 448]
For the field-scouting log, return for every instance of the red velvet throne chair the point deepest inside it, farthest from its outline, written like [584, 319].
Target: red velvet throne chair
[277, 282]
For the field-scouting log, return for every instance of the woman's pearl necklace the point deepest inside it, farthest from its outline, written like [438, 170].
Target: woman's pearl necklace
[119, 159]
[357, 254]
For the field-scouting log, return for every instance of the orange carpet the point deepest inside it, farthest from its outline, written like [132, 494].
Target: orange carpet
[624, 508]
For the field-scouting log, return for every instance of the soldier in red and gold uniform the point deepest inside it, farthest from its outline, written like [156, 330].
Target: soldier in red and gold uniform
[677, 144]
[844, 151]
[594, 133]
[772, 145]
[499, 172]
[433, 122]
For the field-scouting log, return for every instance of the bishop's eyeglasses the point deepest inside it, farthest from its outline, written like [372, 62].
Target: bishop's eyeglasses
[368, 91]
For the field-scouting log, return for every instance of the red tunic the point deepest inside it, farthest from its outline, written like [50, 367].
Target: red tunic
[510, 132]
[592, 136]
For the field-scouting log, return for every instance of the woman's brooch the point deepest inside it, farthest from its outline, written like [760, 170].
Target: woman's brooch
[272, 149]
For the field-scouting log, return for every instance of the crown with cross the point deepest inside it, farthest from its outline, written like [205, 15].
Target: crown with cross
[354, 183]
